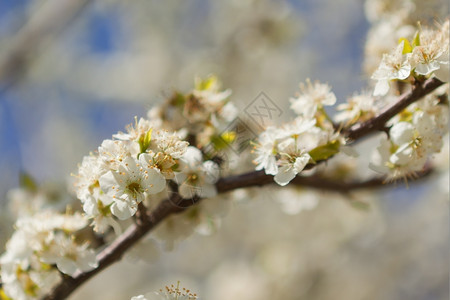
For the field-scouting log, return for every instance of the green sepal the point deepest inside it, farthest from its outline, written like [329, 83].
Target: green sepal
[46, 267]
[3, 295]
[177, 99]
[209, 83]
[416, 40]
[325, 151]
[393, 148]
[104, 210]
[406, 46]
[405, 116]
[144, 141]
[224, 140]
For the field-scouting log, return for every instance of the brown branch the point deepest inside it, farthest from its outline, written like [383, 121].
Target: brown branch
[377, 123]
[116, 250]
[175, 203]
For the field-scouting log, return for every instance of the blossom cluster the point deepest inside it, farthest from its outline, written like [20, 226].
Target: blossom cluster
[167, 153]
[393, 20]
[171, 292]
[426, 54]
[286, 150]
[415, 135]
[201, 115]
[131, 169]
[42, 247]
[134, 167]
[358, 108]
[127, 170]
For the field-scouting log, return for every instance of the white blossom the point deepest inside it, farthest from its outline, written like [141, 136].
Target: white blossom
[265, 151]
[284, 151]
[360, 107]
[197, 177]
[169, 144]
[432, 55]
[412, 141]
[393, 66]
[38, 242]
[113, 152]
[169, 293]
[68, 256]
[128, 185]
[313, 96]
[95, 202]
[139, 129]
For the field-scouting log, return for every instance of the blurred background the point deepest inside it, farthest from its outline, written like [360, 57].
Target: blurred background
[74, 72]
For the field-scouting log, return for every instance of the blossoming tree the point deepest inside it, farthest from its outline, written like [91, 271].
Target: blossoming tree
[164, 176]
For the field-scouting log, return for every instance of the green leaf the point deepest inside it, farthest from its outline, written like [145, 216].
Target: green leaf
[325, 151]
[28, 182]
[406, 46]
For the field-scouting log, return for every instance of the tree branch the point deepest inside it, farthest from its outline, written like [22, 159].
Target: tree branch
[419, 90]
[175, 203]
[115, 251]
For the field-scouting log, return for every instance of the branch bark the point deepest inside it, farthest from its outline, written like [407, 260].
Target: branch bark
[377, 123]
[175, 203]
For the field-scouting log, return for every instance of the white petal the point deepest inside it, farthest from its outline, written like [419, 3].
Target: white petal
[285, 175]
[90, 206]
[123, 210]
[403, 156]
[424, 123]
[425, 69]
[155, 182]
[87, 261]
[381, 156]
[381, 88]
[330, 99]
[67, 266]
[404, 72]
[301, 162]
[186, 190]
[402, 133]
[211, 171]
[192, 157]
[271, 167]
[107, 182]
[140, 297]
